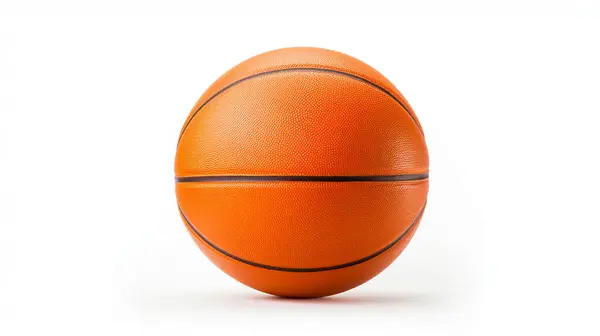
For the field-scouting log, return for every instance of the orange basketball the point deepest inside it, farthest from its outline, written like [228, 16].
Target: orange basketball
[302, 172]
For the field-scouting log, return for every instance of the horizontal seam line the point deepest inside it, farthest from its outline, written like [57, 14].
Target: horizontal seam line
[302, 178]
[305, 270]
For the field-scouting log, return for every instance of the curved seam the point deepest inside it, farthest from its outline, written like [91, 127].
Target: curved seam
[298, 69]
[304, 270]
[300, 178]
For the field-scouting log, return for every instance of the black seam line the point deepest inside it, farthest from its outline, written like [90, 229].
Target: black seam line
[276, 178]
[298, 69]
[304, 270]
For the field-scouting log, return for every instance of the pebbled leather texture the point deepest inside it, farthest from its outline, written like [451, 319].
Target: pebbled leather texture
[301, 112]
[302, 123]
[304, 284]
[302, 224]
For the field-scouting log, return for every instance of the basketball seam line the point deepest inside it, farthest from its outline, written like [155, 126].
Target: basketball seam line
[304, 270]
[298, 69]
[302, 178]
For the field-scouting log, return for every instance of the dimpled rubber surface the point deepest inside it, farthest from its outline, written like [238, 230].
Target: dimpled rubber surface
[302, 112]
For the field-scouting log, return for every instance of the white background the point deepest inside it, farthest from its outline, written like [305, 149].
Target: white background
[90, 109]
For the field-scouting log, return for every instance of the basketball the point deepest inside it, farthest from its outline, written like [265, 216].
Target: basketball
[302, 172]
